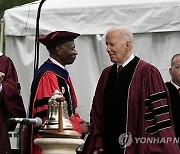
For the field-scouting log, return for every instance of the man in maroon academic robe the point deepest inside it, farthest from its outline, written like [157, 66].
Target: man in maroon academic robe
[11, 103]
[52, 76]
[130, 104]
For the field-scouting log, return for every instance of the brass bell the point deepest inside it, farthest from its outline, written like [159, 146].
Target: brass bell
[58, 122]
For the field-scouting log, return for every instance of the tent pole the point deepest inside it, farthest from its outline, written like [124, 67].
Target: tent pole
[2, 37]
[36, 57]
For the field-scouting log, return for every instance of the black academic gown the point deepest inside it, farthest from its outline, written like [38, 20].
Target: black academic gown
[175, 105]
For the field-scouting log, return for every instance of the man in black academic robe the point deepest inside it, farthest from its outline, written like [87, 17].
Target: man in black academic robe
[174, 92]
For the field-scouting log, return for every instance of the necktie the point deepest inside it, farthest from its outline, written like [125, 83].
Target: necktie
[119, 69]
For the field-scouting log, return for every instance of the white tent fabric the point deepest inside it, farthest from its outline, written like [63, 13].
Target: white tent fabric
[155, 23]
[94, 17]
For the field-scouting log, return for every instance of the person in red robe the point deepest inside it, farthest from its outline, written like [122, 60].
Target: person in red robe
[51, 76]
[131, 112]
[11, 103]
[174, 92]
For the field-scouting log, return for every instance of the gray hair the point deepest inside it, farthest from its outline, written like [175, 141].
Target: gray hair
[124, 32]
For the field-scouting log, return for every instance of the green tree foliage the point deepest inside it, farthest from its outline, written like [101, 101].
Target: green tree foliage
[6, 4]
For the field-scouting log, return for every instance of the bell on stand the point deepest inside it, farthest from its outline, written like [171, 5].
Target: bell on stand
[58, 123]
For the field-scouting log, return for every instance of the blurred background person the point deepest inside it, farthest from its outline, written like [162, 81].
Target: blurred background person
[174, 91]
[11, 103]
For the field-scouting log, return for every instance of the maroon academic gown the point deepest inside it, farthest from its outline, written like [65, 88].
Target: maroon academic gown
[135, 103]
[11, 103]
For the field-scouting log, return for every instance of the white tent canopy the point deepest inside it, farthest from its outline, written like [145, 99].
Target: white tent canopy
[94, 17]
[155, 23]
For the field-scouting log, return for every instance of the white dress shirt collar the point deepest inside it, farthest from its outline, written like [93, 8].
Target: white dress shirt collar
[56, 62]
[177, 87]
[127, 61]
